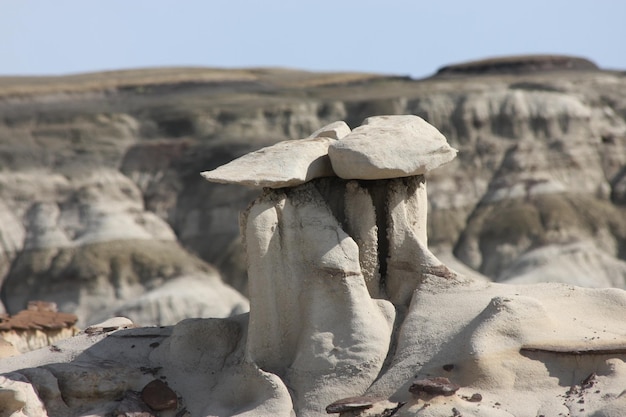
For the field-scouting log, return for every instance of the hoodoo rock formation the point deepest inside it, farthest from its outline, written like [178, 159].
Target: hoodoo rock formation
[350, 312]
[335, 248]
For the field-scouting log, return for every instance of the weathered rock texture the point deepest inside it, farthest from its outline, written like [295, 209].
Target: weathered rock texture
[294, 335]
[350, 313]
[540, 170]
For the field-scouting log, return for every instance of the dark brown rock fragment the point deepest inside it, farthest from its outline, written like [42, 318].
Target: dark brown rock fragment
[351, 404]
[589, 381]
[475, 398]
[434, 386]
[132, 406]
[364, 406]
[158, 396]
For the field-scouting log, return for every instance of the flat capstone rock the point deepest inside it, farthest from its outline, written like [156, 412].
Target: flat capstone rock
[284, 164]
[390, 147]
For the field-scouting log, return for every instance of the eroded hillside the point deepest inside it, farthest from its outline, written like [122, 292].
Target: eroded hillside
[102, 201]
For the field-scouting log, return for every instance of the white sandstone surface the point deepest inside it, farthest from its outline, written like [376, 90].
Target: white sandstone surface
[284, 164]
[299, 289]
[390, 147]
[88, 243]
[527, 349]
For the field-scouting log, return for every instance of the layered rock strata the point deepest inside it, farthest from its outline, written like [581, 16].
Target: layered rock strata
[90, 247]
[38, 326]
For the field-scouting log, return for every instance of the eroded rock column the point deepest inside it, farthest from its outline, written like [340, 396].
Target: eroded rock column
[409, 259]
[311, 315]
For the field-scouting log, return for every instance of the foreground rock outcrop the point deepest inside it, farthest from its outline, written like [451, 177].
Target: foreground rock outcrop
[350, 313]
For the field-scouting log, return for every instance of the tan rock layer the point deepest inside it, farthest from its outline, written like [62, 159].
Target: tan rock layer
[34, 319]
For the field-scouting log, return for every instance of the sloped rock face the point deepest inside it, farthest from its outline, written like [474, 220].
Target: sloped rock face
[527, 350]
[87, 244]
[123, 277]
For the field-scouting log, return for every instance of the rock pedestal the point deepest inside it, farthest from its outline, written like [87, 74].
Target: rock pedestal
[345, 241]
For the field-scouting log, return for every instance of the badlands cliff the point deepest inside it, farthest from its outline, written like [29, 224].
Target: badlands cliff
[350, 311]
[102, 204]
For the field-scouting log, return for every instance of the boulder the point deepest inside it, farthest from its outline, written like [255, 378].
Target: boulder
[284, 164]
[390, 147]
[335, 130]
[158, 396]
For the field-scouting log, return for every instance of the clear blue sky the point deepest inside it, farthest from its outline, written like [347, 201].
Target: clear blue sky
[404, 37]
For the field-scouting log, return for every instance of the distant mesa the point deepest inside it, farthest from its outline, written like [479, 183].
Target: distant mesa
[519, 64]
[383, 147]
